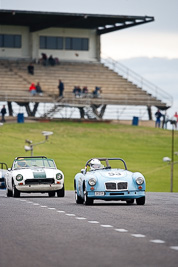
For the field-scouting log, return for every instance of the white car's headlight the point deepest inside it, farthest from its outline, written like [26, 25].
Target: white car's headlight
[58, 176]
[92, 181]
[19, 177]
[140, 180]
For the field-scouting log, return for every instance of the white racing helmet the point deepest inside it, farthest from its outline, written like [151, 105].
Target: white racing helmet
[95, 164]
[22, 163]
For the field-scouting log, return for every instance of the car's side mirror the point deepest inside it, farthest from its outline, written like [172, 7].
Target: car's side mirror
[83, 171]
[9, 169]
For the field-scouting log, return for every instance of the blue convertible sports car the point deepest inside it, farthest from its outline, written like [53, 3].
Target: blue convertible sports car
[98, 180]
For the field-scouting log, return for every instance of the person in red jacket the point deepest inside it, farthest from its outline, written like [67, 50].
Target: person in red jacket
[32, 89]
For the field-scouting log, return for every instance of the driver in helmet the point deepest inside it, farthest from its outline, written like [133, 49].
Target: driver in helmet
[22, 164]
[95, 164]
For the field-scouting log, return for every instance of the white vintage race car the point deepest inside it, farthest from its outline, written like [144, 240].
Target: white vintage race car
[34, 174]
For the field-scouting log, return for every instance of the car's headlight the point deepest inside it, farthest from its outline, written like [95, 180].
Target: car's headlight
[140, 180]
[58, 176]
[19, 177]
[92, 181]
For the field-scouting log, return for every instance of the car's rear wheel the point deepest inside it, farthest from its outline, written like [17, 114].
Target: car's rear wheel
[140, 201]
[51, 194]
[61, 192]
[78, 199]
[130, 201]
[15, 192]
[87, 200]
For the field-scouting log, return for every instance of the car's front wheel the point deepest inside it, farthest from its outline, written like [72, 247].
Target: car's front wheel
[51, 194]
[140, 201]
[87, 200]
[61, 192]
[8, 193]
[78, 199]
[130, 201]
[15, 192]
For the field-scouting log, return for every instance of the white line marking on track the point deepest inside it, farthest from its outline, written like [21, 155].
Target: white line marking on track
[106, 225]
[121, 230]
[137, 235]
[174, 247]
[157, 241]
[80, 218]
[61, 211]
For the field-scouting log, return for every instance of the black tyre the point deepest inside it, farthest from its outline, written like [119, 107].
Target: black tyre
[8, 193]
[61, 192]
[16, 193]
[51, 194]
[140, 201]
[130, 201]
[87, 200]
[78, 199]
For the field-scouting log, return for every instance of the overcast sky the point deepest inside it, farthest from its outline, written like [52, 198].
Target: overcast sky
[156, 42]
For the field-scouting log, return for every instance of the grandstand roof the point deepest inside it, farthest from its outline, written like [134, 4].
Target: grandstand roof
[37, 20]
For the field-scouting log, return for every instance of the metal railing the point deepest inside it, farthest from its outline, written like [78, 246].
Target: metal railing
[138, 80]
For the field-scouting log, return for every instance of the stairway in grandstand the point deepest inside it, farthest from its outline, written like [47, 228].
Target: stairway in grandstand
[116, 90]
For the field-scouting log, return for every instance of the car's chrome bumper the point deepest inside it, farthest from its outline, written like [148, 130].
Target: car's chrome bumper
[39, 188]
[116, 194]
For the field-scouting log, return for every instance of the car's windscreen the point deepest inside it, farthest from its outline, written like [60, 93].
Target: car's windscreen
[33, 162]
[108, 164]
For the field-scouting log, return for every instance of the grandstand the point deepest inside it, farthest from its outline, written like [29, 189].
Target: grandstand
[80, 63]
[116, 90]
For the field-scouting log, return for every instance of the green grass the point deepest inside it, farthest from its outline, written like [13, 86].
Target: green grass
[73, 143]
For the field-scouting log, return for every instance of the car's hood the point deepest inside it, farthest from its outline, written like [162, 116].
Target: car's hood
[36, 172]
[112, 174]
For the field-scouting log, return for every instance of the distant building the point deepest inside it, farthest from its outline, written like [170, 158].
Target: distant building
[67, 36]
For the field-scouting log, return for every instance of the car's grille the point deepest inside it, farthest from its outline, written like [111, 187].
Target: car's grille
[110, 186]
[122, 185]
[39, 181]
[116, 186]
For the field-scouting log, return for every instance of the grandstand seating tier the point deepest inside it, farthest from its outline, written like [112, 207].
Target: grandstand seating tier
[116, 90]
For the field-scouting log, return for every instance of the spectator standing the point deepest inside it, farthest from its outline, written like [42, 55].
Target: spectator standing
[3, 112]
[61, 88]
[176, 116]
[32, 89]
[158, 115]
[30, 69]
[44, 59]
[38, 89]
[51, 61]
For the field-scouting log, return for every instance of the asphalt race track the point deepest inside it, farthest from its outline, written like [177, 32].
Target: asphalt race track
[36, 230]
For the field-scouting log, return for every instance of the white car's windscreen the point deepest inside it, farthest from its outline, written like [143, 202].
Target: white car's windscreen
[33, 162]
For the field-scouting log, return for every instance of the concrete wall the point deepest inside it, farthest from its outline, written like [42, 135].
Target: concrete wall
[31, 50]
